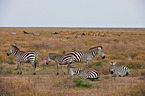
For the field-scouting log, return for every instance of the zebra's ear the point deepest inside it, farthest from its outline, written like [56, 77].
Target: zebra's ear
[114, 63]
[111, 63]
[13, 44]
[100, 47]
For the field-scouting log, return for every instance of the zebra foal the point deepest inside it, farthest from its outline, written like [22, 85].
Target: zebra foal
[92, 75]
[23, 57]
[60, 59]
[88, 55]
[118, 70]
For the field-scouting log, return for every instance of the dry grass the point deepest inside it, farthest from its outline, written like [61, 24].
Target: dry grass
[126, 50]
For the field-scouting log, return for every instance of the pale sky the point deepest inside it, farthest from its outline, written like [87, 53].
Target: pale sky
[72, 13]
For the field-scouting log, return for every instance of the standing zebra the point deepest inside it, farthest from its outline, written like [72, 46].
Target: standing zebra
[92, 75]
[88, 55]
[23, 57]
[118, 70]
[60, 59]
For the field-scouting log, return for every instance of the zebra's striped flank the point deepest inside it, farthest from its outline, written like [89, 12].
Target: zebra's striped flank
[60, 59]
[88, 55]
[23, 57]
[92, 75]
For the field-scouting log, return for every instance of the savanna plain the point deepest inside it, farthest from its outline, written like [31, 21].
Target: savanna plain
[124, 46]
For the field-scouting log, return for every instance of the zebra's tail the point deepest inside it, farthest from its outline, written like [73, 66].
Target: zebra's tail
[36, 60]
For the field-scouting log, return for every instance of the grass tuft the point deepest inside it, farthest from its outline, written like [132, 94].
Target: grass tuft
[81, 83]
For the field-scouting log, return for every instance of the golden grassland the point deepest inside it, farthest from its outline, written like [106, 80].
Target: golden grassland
[127, 50]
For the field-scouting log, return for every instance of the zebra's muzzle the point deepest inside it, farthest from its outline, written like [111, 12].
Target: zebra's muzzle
[111, 72]
[47, 63]
[103, 57]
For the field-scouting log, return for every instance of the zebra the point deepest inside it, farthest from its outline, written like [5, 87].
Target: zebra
[118, 70]
[60, 59]
[92, 75]
[88, 55]
[23, 57]
[13, 33]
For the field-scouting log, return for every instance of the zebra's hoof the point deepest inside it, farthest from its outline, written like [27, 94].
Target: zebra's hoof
[57, 73]
[34, 73]
[7, 54]
[17, 72]
[20, 73]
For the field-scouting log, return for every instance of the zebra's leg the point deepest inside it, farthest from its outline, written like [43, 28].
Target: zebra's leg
[18, 66]
[127, 74]
[57, 68]
[68, 68]
[62, 69]
[33, 64]
[21, 67]
[87, 63]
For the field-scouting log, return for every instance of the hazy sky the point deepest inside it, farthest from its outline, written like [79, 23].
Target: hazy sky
[72, 13]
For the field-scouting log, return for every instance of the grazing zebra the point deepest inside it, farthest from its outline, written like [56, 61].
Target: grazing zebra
[36, 34]
[92, 75]
[23, 57]
[118, 70]
[78, 36]
[88, 55]
[54, 33]
[25, 32]
[13, 33]
[60, 59]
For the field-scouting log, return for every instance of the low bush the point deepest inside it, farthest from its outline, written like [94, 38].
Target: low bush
[81, 83]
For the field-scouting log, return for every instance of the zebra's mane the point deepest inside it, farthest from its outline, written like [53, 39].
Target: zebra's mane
[65, 54]
[96, 47]
[15, 47]
[59, 54]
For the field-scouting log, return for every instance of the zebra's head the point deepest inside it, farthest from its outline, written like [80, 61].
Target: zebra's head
[50, 57]
[75, 71]
[11, 50]
[98, 50]
[112, 67]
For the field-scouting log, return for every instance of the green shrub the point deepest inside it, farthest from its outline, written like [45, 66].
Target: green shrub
[74, 49]
[80, 83]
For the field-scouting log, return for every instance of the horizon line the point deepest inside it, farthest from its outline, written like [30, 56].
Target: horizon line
[74, 26]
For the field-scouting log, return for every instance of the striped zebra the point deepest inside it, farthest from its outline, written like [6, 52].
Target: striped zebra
[88, 55]
[60, 59]
[23, 57]
[118, 70]
[92, 75]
